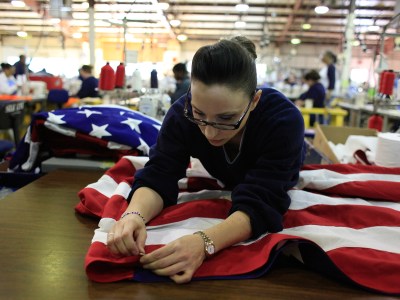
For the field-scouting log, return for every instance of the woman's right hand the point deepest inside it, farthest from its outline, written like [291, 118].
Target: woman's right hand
[128, 236]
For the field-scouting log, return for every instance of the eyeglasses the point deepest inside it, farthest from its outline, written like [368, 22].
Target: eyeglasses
[189, 115]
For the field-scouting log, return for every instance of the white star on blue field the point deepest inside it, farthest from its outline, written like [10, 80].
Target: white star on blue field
[108, 122]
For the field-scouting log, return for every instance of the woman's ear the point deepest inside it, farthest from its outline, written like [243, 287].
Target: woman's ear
[256, 98]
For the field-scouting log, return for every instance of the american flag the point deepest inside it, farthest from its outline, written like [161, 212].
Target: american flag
[343, 221]
[109, 131]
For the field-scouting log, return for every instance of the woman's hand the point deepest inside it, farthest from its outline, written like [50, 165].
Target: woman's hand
[128, 236]
[178, 260]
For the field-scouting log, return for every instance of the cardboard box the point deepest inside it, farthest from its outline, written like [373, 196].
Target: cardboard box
[336, 135]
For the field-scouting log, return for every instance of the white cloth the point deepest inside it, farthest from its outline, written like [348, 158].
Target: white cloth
[8, 85]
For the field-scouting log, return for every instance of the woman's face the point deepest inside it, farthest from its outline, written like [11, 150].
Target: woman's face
[218, 103]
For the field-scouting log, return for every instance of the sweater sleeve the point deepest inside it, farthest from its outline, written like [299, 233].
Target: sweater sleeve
[262, 195]
[168, 160]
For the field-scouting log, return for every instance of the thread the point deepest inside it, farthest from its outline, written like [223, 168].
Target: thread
[381, 80]
[136, 81]
[153, 79]
[388, 83]
[107, 78]
[120, 76]
[375, 122]
[388, 149]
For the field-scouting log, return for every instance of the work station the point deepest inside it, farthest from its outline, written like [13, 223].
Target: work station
[186, 150]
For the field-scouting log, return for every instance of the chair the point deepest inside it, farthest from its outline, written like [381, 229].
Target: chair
[58, 97]
[11, 117]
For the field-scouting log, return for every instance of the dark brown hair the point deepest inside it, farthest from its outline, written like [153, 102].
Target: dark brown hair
[227, 62]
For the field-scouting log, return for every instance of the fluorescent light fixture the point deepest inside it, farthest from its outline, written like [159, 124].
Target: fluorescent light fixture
[85, 5]
[18, 3]
[295, 41]
[22, 34]
[240, 24]
[175, 22]
[373, 28]
[356, 43]
[55, 21]
[163, 5]
[182, 37]
[242, 7]
[321, 9]
[77, 35]
[306, 26]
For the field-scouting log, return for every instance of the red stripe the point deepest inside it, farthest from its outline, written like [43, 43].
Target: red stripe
[371, 189]
[354, 169]
[378, 270]
[352, 216]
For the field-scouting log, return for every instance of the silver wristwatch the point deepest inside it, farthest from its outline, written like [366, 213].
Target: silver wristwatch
[209, 247]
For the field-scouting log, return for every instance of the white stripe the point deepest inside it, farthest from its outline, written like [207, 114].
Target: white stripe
[60, 129]
[303, 199]
[324, 179]
[162, 234]
[167, 233]
[204, 194]
[330, 237]
[137, 161]
[108, 187]
[100, 234]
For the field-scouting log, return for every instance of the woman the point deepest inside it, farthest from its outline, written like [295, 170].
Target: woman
[315, 92]
[251, 140]
[89, 87]
[328, 74]
[8, 84]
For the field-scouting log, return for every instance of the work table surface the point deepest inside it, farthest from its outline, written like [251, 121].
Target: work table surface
[44, 243]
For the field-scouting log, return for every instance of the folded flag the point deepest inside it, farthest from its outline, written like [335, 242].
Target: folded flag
[104, 131]
[329, 229]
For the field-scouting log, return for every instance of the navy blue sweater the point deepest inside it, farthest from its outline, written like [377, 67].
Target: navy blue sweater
[267, 167]
[89, 88]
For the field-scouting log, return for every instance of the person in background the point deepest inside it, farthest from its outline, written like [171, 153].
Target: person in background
[316, 93]
[328, 74]
[181, 76]
[89, 87]
[21, 68]
[250, 139]
[8, 84]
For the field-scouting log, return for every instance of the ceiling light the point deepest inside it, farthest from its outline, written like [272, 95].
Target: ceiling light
[18, 3]
[77, 35]
[163, 5]
[240, 24]
[242, 7]
[182, 37]
[306, 26]
[373, 28]
[22, 34]
[175, 22]
[295, 41]
[356, 43]
[85, 5]
[321, 9]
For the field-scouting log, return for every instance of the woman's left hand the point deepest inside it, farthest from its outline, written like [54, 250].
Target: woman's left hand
[178, 260]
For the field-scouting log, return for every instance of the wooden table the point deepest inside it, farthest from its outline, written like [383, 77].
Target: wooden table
[43, 246]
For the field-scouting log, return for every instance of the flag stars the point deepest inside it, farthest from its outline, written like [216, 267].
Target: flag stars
[99, 131]
[133, 124]
[88, 112]
[56, 119]
[143, 147]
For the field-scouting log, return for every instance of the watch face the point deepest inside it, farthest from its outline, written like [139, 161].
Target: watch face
[210, 249]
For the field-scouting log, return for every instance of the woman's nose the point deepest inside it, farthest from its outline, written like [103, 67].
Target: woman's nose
[210, 132]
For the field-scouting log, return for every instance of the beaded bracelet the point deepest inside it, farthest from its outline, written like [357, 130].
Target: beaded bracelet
[133, 213]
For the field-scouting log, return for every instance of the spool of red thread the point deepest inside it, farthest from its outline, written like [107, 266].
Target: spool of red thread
[120, 76]
[388, 83]
[107, 78]
[375, 122]
[381, 80]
